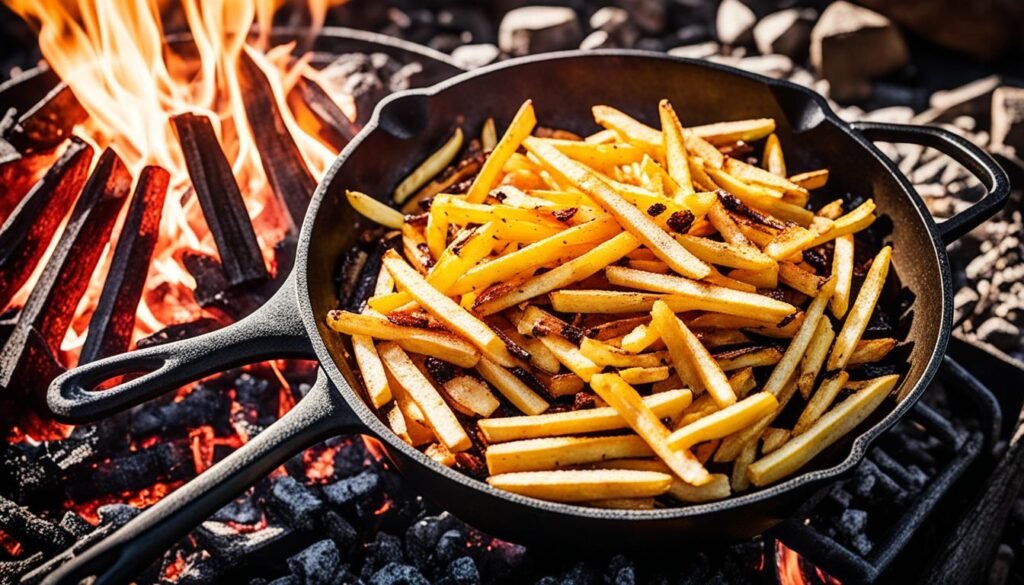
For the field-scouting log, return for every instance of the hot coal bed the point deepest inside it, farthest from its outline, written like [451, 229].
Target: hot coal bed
[934, 501]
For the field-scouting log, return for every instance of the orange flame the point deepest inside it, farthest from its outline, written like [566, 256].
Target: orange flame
[113, 55]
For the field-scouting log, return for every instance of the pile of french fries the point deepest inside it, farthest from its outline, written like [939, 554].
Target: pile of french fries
[619, 320]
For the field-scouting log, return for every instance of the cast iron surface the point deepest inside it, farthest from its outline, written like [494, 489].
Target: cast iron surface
[403, 130]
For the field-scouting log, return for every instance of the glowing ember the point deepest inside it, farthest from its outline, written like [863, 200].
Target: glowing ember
[790, 572]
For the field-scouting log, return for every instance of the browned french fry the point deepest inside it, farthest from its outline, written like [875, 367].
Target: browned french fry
[751, 174]
[429, 168]
[625, 400]
[726, 226]
[786, 367]
[441, 345]
[839, 421]
[853, 222]
[630, 218]
[725, 254]
[540, 356]
[375, 210]
[520, 127]
[739, 480]
[566, 351]
[566, 384]
[773, 160]
[814, 357]
[748, 357]
[374, 378]
[692, 361]
[858, 317]
[583, 485]
[716, 488]
[438, 415]
[632, 130]
[789, 241]
[602, 137]
[718, 279]
[471, 396]
[592, 420]
[812, 179]
[832, 210]
[820, 401]
[416, 250]
[408, 428]
[644, 375]
[447, 311]
[703, 296]
[800, 280]
[441, 454]
[614, 301]
[767, 278]
[742, 383]
[598, 155]
[511, 387]
[761, 198]
[675, 148]
[724, 422]
[871, 350]
[604, 354]
[772, 438]
[729, 132]
[640, 338]
[562, 452]
[842, 272]
[716, 339]
[733, 444]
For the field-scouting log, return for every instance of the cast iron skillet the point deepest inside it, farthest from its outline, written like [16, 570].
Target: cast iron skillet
[404, 129]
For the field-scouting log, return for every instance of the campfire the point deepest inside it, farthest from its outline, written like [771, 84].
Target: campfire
[154, 173]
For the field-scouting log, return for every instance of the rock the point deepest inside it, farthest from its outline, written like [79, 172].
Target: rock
[1008, 119]
[698, 51]
[787, 32]
[477, 55]
[972, 99]
[617, 24]
[734, 23]
[536, 29]
[776, 66]
[598, 40]
[999, 332]
[650, 15]
[851, 45]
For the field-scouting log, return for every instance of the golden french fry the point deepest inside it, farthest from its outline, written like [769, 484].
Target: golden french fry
[832, 210]
[416, 249]
[814, 357]
[820, 401]
[726, 225]
[675, 149]
[702, 296]
[561, 452]
[751, 174]
[724, 422]
[465, 251]
[640, 338]
[716, 488]
[748, 357]
[583, 485]
[374, 378]
[691, 359]
[725, 254]
[436, 233]
[429, 168]
[602, 137]
[441, 454]
[458, 210]
[410, 429]
[604, 354]
[598, 155]
[498, 430]
[853, 222]
[632, 130]
[441, 345]
[531, 323]
[773, 159]
[767, 278]
[729, 132]
[761, 198]
[732, 445]
[789, 241]
[812, 179]
[512, 388]
[625, 400]
[629, 217]
[437, 413]
[375, 210]
[801, 280]
[644, 375]
[772, 438]
[540, 356]
[842, 272]
[617, 328]
[558, 385]
[871, 350]
[488, 135]
[858, 317]
[471, 396]
[520, 127]
[739, 480]
[842, 419]
[786, 367]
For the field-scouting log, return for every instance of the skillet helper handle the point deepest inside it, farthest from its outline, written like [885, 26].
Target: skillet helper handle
[274, 330]
[974, 159]
[127, 552]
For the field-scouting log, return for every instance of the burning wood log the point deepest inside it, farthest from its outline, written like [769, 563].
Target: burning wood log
[282, 162]
[221, 200]
[49, 122]
[46, 315]
[314, 109]
[111, 325]
[30, 227]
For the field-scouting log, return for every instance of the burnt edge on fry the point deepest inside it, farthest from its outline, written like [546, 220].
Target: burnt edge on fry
[680, 221]
[733, 204]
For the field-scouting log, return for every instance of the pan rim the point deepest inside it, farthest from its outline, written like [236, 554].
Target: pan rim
[860, 444]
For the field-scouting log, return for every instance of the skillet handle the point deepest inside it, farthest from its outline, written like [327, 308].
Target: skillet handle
[274, 330]
[119, 558]
[974, 159]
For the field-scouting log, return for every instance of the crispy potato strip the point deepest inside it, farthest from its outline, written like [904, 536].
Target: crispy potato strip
[583, 485]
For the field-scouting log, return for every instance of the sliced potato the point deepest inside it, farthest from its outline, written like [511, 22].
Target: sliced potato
[375, 210]
[724, 422]
[583, 485]
[441, 345]
[429, 168]
[471, 396]
[858, 317]
[820, 401]
[512, 388]
[773, 160]
[561, 452]
[729, 132]
[520, 127]
[374, 378]
[691, 359]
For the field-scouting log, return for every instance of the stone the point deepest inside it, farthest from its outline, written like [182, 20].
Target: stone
[786, 32]
[698, 51]
[972, 99]
[850, 45]
[776, 66]
[734, 23]
[537, 29]
[617, 24]
[999, 332]
[1008, 119]
[597, 40]
[476, 55]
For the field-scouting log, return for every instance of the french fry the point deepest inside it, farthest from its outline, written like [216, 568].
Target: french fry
[767, 278]
[839, 421]
[634, 131]
[726, 226]
[853, 222]
[471, 396]
[456, 318]
[814, 356]
[675, 149]
[464, 253]
[512, 388]
[629, 217]
[602, 137]
[567, 384]
[773, 160]
[745, 172]
[625, 400]
[488, 135]
[842, 272]
[724, 321]
[640, 338]
[812, 179]
[871, 350]
[436, 232]
[562, 452]
[644, 375]
[458, 210]
[441, 454]
[598, 155]
[441, 345]
[604, 354]
[832, 210]
[748, 357]
[375, 210]
[704, 150]
[583, 485]
[859, 315]
[717, 339]
[613, 301]
[498, 430]
[724, 422]
[732, 445]
[374, 378]
[566, 351]
[761, 198]
[540, 356]
[787, 366]
[820, 401]
[800, 280]
[772, 438]
[416, 249]
[429, 168]
[729, 132]
[520, 127]
[692, 361]
[410, 429]
[617, 328]
[725, 254]
[702, 296]
[742, 383]
[716, 488]
[438, 414]
[789, 241]
[739, 481]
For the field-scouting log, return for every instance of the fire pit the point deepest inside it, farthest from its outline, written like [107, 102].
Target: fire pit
[169, 243]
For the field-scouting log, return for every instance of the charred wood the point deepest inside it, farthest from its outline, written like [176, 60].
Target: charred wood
[314, 108]
[49, 122]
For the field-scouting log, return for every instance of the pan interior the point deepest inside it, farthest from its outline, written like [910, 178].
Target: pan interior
[563, 88]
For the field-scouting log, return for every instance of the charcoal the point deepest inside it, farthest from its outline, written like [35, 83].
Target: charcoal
[10, 571]
[461, 571]
[198, 569]
[896, 471]
[202, 405]
[31, 530]
[314, 109]
[75, 525]
[620, 571]
[421, 537]
[169, 461]
[359, 488]
[385, 549]
[234, 547]
[502, 559]
[582, 573]
[286, 580]
[450, 546]
[242, 510]
[351, 458]
[341, 532]
[317, 564]
[398, 574]
[33, 467]
[294, 503]
[258, 399]
[116, 514]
